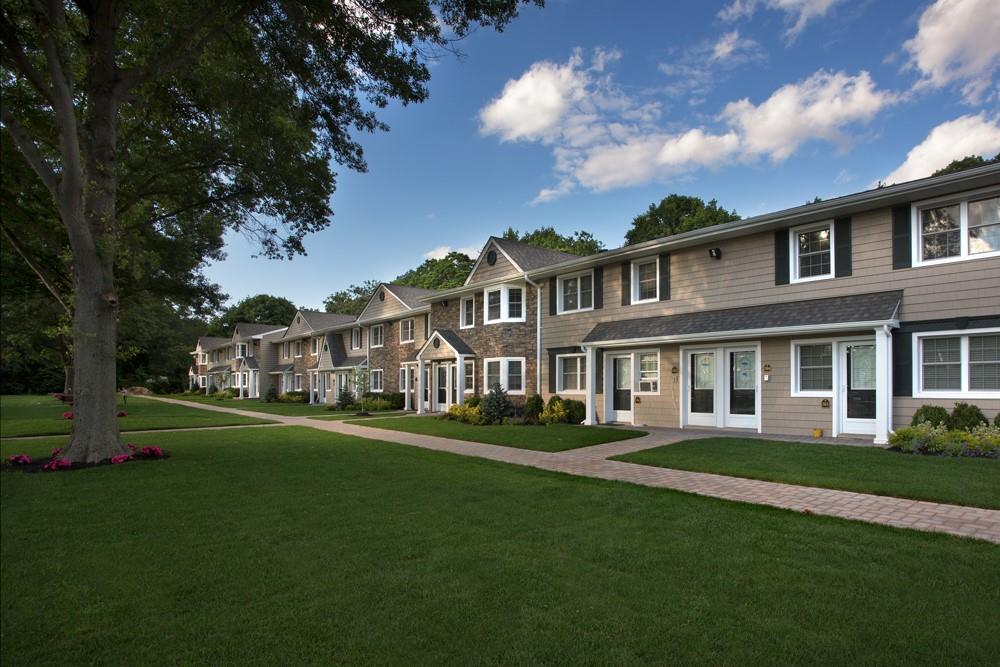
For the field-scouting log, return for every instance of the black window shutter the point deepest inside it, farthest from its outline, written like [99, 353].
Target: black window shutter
[781, 257]
[842, 247]
[626, 283]
[552, 372]
[598, 287]
[665, 276]
[902, 364]
[553, 286]
[901, 248]
[599, 379]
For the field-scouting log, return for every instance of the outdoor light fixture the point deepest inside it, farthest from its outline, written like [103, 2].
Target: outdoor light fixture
[715, 253]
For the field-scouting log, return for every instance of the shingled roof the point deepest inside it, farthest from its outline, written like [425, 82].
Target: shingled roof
[410, 296]
[530, 257]
[856, 308]
[212, 342]
[249, 329]
[319, 320]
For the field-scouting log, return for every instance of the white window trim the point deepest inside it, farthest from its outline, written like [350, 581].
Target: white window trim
[636, 355]
[413, 330]
[560, 389]
[560, 310]
[299, 347]
[470, 387]
[461, 313]
[371, 331]
[795, 377]
[503, 374]
[356, 346]
[402, 378]
[314, 346]
[297, 382]
[371, 381]
[504, 304]
[238, 346]
[916, 245]
[793, 253]
[635, 280]
[918, 367]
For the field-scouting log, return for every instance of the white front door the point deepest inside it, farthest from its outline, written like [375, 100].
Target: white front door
[721, 386]
[702, 390]
[856, 388]
[444, 385]
[618, 394]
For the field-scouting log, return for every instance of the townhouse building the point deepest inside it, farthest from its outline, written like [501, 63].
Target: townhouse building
[200, 364]
[298, 350]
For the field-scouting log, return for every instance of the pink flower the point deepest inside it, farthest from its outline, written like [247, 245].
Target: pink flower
[152, 452]
[132, 448]
[19, 459]
[57, 464]
[67, 415]
[121, 458]
[55, 452]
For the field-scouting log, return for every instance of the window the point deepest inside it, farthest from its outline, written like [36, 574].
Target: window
[504, 304]
[356, 338]
[571, 373]
[203, 358]
[954, 230]
[508, 371]
[201, 381]
[314, 349]
[286, 350]
[814, 369]
[298, 348]
[402, 378]
[468, 312]
[576, 293]
[406, 331]
[298, 382]
[470, 377]
[376, 336]
[241, 350]
[812, 252]
[375, 379]
[645, 280]
[958, 364]
[649, 373]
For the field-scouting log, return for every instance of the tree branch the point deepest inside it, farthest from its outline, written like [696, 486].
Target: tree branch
[30, 151]
[42, 275]
[20, 61]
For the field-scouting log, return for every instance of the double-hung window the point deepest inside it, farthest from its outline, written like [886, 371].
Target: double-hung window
[298, 348]
[649, 373]
[241, 350]
[576, 293]
[314, 346]
[376, 336]
[646, 280]
[957, 229]
[503, 304]
[958, 364]
[356, 338]
[811, 252]
[507, 371]
[402, 378]
[571, 373]
[406, 331]
[470, 377]
[813, 369]
[375, 380]
[468, 313]
[298, 382]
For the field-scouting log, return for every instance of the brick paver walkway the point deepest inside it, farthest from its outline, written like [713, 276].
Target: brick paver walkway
[592, 462]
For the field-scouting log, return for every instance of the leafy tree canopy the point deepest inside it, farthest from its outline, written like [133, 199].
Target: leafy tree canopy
[351, 301]
[259, 309]
[967, 162]
[675, 214]
[579, 243]
[442, 273]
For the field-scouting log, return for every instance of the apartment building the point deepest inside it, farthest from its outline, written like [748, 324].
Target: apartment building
[298, 353]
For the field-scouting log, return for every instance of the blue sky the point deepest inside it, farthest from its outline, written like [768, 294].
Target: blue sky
[581, 114]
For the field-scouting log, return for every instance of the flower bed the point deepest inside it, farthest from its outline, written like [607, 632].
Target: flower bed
[937, 440]
[25, 463]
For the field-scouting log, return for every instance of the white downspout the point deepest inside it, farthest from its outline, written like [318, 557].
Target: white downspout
[538, 333]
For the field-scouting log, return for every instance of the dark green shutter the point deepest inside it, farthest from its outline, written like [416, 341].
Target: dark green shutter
[901, 241]
[553, 286]
[598, 287]
[902, 364]
[781, 257]
[665, 277]
[626, 283]
[842, 247]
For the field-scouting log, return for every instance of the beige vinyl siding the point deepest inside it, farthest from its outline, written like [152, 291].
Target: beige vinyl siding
[784, 414]
[298, 328]
[903, 407]
[662, 409]
[377, 309]
[503, 268]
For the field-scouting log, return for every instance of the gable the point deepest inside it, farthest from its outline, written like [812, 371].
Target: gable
[483, 271]
[299, 327]
[383, 304]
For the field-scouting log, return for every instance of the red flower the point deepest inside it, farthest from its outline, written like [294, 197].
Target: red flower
[121, 458]
[57, 464]
[67, 415]
[152, 452]
[19, 459]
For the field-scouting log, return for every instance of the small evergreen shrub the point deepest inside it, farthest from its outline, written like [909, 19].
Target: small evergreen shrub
[932, 414]
[996, 420]
[373, 405]
[396, 399]
[965, 416]
[272, 394]
[533, 407]
[576, 411]
[474, 400]
[345, 399]
[554, 412]
[229, 393]
[295, 397]
[496, 405]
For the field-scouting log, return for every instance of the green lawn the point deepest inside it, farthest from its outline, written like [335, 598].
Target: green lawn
[256, 405]
[551, 438]
[350, 414]
[294, 546]
[42, 415]
[963, 481]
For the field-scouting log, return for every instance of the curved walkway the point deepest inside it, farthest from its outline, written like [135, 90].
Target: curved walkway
[592, 462]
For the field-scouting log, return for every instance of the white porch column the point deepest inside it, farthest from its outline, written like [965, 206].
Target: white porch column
[883, 385]
[460, 379]
[420, 388]
[239, 381]
[591, 386]
[408, 388]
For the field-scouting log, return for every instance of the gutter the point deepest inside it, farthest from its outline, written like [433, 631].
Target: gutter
[538, 333]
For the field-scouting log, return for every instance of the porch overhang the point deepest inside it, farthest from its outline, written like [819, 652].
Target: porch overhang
[281, 370]
[449, 338]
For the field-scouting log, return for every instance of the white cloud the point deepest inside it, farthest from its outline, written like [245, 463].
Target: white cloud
[731, 45]
[696, 69]
[951, 140]
[818, 108]
[797, 12]
[958, 41]
[441, 251]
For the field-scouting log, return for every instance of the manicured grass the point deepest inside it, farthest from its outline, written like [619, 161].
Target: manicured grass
[962, 481]
[294, 546]
[551, 438]
[256, 405]
[42, 415]
[350, 414]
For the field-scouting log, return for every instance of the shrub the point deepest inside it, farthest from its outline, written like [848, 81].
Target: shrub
[229, 393]
[373, 405]
[271, 395]
[926, 438]
[19, 459]
[294, 397]
[496, 405]
[996, 420]
[932, 414]
[533, 407]
[576, 411]
[467, 414]
[987, 442]
[396, 399]
[345, 399]
[474, 400]
[920, 439]
[554, 412]
[965, 417]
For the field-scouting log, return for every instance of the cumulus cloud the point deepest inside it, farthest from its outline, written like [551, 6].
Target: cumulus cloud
[442, 251]
[798, 13]
[697, 69]
[951, 140]
[958, 41]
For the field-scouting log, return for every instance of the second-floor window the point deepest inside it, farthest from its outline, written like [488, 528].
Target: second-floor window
[406, 331]
[645, 280]
[376, 336]
[241, 350]
[356, 338]
[504, 304]
[576, 293]
[314, 349]
[958, 229]
[812, 252]
[203, 358]
[298, 348]
[468, 313]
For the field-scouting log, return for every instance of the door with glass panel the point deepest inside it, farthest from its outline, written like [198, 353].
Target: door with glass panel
[741, 392]
[701, 388]
[857, 388]
[621, 388]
